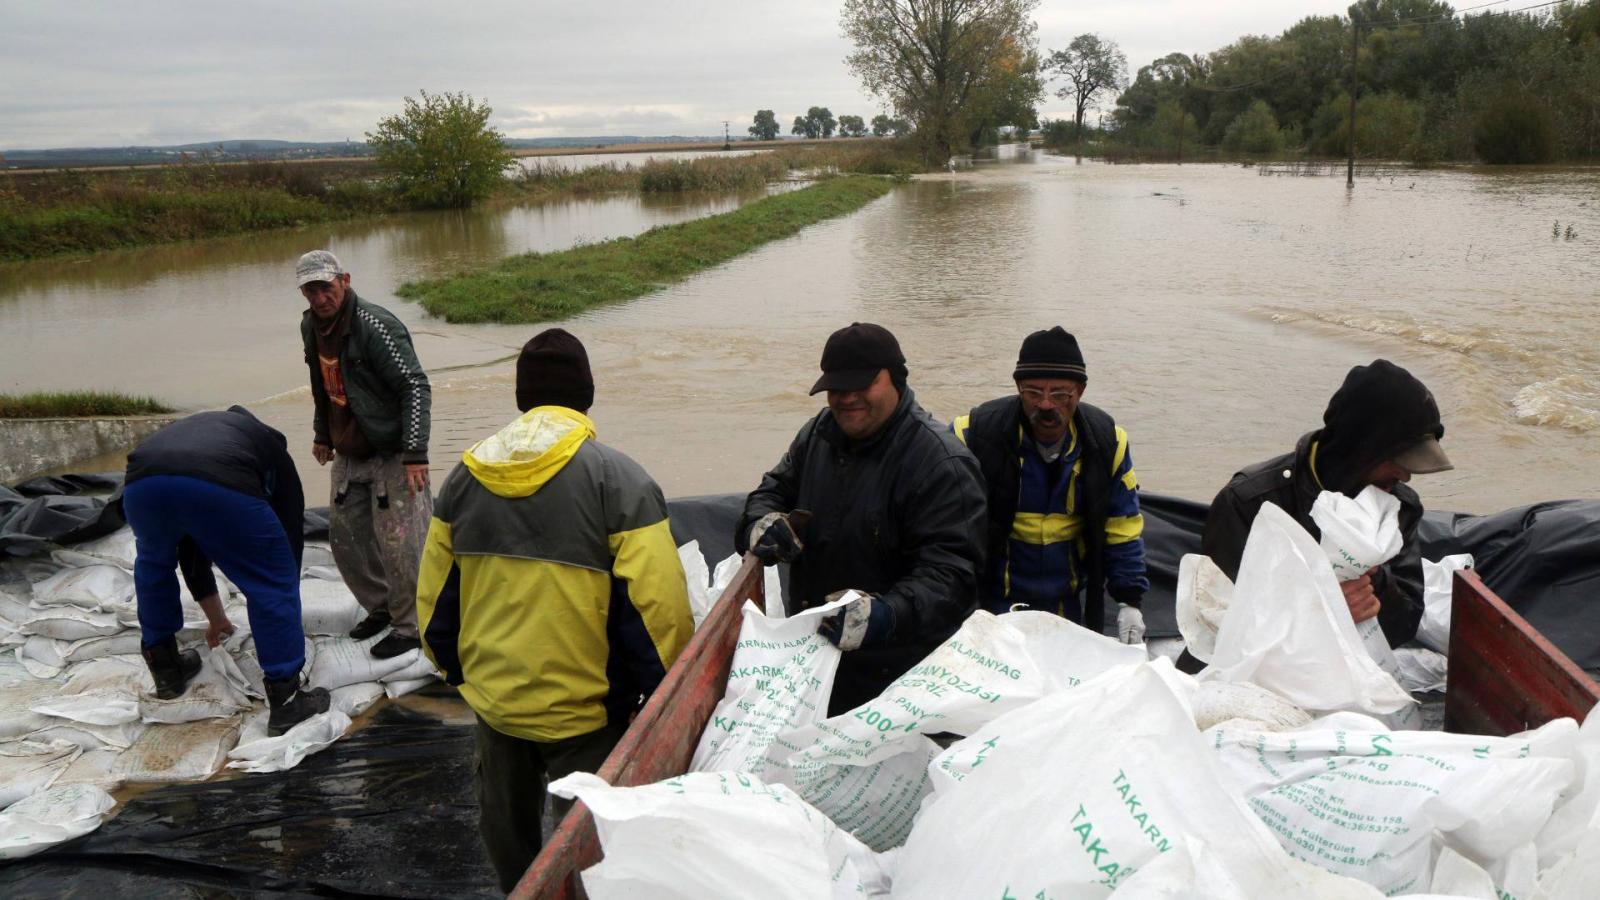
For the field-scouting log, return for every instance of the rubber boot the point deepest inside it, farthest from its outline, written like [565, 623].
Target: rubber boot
[291, 705]
[171, 670]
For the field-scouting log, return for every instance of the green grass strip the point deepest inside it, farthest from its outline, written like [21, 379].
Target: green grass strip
[537, 287]
[77, 403]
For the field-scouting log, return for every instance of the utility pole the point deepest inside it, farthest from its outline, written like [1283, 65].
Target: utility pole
[1350, 164]
[726, 143]
[1182, 95]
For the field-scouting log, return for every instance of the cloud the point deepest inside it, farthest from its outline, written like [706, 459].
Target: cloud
[97, 72]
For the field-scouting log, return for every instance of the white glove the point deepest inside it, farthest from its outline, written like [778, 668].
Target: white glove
[1130, 624]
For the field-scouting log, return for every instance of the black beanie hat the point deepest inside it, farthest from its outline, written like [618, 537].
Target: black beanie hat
[1050, 354]
[1379, 412]
[553, 370]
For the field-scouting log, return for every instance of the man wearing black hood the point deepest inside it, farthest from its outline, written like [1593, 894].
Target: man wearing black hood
[1381, 427]
[896, 508]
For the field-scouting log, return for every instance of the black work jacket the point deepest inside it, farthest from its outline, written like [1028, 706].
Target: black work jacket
[900, 515]
[1288, 482]
[994, 436]
[232, 449]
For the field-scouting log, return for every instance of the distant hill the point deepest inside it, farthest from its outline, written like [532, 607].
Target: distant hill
[242, 150]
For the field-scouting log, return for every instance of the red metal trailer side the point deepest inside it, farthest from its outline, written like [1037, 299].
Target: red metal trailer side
[1504, 677]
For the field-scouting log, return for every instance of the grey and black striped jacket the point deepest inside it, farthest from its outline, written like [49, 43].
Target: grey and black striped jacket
[388, 391]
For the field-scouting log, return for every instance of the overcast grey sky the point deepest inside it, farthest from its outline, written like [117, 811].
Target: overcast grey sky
[89, 73]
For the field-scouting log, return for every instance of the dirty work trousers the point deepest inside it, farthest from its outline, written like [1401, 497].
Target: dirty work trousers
[376, 528]
[511, 774]
[242, 536]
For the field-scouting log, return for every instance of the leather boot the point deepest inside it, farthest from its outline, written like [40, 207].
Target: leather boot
[170, 669]
[371, 625]
[291, 704]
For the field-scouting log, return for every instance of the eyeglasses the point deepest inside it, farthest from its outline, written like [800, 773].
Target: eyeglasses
[1058, 397]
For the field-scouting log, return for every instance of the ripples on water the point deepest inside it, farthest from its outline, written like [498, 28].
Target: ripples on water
[1218, 310]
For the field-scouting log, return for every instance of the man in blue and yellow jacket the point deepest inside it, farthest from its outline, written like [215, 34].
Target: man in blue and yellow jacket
[550, 593]
[1064, 520]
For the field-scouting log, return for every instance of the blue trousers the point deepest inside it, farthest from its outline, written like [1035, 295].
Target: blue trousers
[242, 536]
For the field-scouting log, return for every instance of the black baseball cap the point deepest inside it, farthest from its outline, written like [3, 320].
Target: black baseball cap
[853, 357]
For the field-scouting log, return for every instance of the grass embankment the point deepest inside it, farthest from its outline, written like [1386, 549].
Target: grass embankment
[82, 212]
[537, 287]
[77, 403]
[48, 214]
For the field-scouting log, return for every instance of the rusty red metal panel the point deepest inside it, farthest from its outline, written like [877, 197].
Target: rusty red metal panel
[660, 742]
[1504, 677]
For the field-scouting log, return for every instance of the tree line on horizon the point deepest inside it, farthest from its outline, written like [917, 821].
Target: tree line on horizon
[1505, 86]
[820, 122]
[1522, 86]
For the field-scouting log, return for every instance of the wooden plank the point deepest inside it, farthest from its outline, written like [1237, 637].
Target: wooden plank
[661, 741]
[1504, 676]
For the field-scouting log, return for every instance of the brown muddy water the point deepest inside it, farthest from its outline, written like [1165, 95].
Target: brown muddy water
[1218, 309]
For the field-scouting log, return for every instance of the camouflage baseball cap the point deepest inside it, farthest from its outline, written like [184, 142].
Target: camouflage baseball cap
[318, 265]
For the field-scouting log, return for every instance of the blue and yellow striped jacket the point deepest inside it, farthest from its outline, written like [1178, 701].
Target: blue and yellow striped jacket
[1058, 530]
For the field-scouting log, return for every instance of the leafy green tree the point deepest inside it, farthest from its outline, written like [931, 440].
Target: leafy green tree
[880, 125]
[1092, 66]
[930, 59]
[1515, 128]
[852, 126]
[804, 127]
[822, 121]
[1007, 97]
[765, 126]
[1254, 131]
[441, 150]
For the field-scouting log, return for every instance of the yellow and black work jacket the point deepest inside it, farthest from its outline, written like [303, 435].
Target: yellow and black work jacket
[1058, 529]
[551, 591]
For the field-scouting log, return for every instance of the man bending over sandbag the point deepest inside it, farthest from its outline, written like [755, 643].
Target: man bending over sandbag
[220, 487]
[1381, 427]
[897, 514]
[551, 594]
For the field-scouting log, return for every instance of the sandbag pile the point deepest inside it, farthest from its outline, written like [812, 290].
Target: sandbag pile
[1028, 757]
[78, 716]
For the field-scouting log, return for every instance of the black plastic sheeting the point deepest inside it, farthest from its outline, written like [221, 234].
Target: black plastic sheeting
[389, 811]
[386, 812]
[1543, 559]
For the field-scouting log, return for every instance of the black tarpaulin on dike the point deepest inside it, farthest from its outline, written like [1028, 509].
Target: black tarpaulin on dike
[1542, 559]
[389, 810]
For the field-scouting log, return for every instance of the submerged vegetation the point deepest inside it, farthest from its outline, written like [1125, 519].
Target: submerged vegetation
[536, 287]
[77, 403]
[77, 211]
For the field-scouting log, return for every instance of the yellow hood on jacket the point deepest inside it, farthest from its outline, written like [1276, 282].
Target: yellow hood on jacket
[525, 454]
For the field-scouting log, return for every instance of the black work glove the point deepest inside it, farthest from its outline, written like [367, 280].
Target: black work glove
[772, 539]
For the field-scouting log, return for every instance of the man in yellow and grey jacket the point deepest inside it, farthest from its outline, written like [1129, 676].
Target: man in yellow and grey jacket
[550, 593]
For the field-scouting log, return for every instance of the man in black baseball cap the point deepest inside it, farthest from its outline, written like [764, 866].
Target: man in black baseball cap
[1064, 526]
[1380, 428]
[894, 511]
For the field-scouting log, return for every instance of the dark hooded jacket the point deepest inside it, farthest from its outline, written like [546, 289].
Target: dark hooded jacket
[1379, 411]
[900, 515]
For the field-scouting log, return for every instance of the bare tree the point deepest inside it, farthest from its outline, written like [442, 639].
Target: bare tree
[1091, 66]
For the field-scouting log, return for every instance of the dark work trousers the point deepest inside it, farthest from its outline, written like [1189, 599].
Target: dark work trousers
[511, 774]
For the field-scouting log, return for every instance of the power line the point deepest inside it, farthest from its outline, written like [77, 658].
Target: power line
[1432, 20]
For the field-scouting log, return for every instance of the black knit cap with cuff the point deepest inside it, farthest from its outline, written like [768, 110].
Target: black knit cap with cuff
[553, 370]
[1051, 354]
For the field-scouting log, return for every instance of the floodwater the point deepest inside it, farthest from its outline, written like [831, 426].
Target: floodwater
[575, 161]
[1217, 308]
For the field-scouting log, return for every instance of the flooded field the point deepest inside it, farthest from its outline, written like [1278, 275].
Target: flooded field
[1217, 308]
